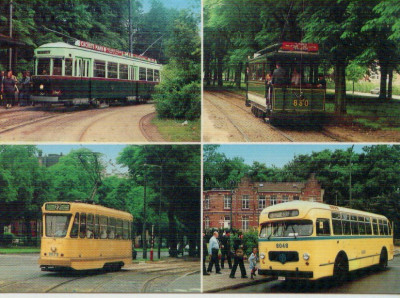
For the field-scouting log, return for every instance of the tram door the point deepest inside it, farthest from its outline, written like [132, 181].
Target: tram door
[82, 67]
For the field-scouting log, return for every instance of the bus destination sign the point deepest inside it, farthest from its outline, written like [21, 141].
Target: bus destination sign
[57, 207]
[283, 213]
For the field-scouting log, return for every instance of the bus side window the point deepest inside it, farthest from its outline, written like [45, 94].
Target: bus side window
[361, 225]
[346, 224]
[89, 230]
[337, 224]
[103, 227]
[368, 226]
[381, 229]
[75, 227]
[385, 225]
[354, 225]
[111, 228]
[375, 226]
[82, 226]
[389, 228]
[96, 227]
[323, 228]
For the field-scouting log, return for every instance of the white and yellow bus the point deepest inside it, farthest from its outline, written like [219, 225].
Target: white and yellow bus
[308, 240]
[84, 236]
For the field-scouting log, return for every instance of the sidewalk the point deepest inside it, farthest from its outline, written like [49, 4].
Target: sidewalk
[218, 282]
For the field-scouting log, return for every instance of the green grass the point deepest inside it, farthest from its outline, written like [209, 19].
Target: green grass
[19, 250]
[364, 87]
[174, 131]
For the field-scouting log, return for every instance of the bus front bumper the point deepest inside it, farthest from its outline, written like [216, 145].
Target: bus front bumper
[286, 273]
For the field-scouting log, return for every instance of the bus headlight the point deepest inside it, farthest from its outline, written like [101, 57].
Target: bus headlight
[306, 256]
[41, 87]
[262, 256]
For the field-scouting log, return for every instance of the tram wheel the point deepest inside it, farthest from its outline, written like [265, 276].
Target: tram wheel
[383, 259]
[341, 269]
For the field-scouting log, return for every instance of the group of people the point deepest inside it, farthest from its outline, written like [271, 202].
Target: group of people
[14, 91]
[223, 245]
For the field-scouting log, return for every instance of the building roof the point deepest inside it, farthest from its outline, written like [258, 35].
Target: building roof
[9, 41]
[279, 186]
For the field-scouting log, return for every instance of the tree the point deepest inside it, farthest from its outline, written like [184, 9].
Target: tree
[355, 72]
[180, 191]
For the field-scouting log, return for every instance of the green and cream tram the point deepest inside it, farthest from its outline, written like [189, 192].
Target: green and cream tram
[87, 73]
[297, 93]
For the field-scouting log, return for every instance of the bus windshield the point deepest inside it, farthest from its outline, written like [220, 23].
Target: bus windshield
[292, 228]
[57, 225]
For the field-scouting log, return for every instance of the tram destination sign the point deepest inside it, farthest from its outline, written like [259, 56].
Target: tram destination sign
[95, 47]
[57, 207]
[299, 47]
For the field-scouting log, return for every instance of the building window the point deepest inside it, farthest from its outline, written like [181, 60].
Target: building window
[261, 202]
[227, 201]
[227, 222]
[245, 223]
[206, 222]
[285, 198]
[274, 200]
[245, 202]
[207, 202]
[296, 198]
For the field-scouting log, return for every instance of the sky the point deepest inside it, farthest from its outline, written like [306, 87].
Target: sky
[109, 151]
[178, 4]
[279, 154]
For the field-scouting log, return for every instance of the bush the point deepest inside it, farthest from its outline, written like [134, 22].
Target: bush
[6, 239]
[250, 240]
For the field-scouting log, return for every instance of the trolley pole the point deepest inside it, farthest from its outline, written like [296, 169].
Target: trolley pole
[10, 54]
[152, 243]
[144, 220]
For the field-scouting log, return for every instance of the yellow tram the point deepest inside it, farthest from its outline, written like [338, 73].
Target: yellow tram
[83, 236]
[309, 240]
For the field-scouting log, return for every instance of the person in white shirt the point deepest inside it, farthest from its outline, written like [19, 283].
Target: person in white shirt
[213, 249]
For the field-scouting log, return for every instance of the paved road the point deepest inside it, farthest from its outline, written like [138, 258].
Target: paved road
[363, 282]
[21, 274]
[115, 124]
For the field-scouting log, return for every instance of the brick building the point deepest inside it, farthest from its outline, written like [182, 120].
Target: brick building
[250, 198]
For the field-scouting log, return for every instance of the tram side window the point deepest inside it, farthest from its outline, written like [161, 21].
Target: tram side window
[123, 71]
[90, 224]
[125, 231]
[142, 74]
[43, 66]
[156, 75]
[82, 226]
[96, 227]
[118, 234]
[112, 70]
[354, 225]
[375, 226]
[346, 224]
[337, 224]
[68, 67]
[99, 70]
[103, 227]
[75, 227]
[150, 74]
[57, 67]
[323, 228]
[111, 228]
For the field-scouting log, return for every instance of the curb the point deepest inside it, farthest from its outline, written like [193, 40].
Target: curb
[241, 285]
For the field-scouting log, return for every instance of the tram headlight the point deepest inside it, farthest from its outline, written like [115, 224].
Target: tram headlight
[41, 87]
[306, 256]
[262, 256]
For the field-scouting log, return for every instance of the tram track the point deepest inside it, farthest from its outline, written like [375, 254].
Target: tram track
[284, 134]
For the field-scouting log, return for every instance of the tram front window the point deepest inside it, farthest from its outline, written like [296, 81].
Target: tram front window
[57, 225]
[43, 67]
[293, 228]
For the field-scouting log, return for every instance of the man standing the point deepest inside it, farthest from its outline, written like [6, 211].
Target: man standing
[213, 248]
[226, 250]
[238, 258]
[8, 89]
[279, 75]
[25, 83]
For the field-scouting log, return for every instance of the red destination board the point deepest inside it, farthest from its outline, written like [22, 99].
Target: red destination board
[299, 47]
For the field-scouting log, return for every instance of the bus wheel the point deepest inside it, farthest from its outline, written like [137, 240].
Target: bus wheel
[383, 259]
[341, 269]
